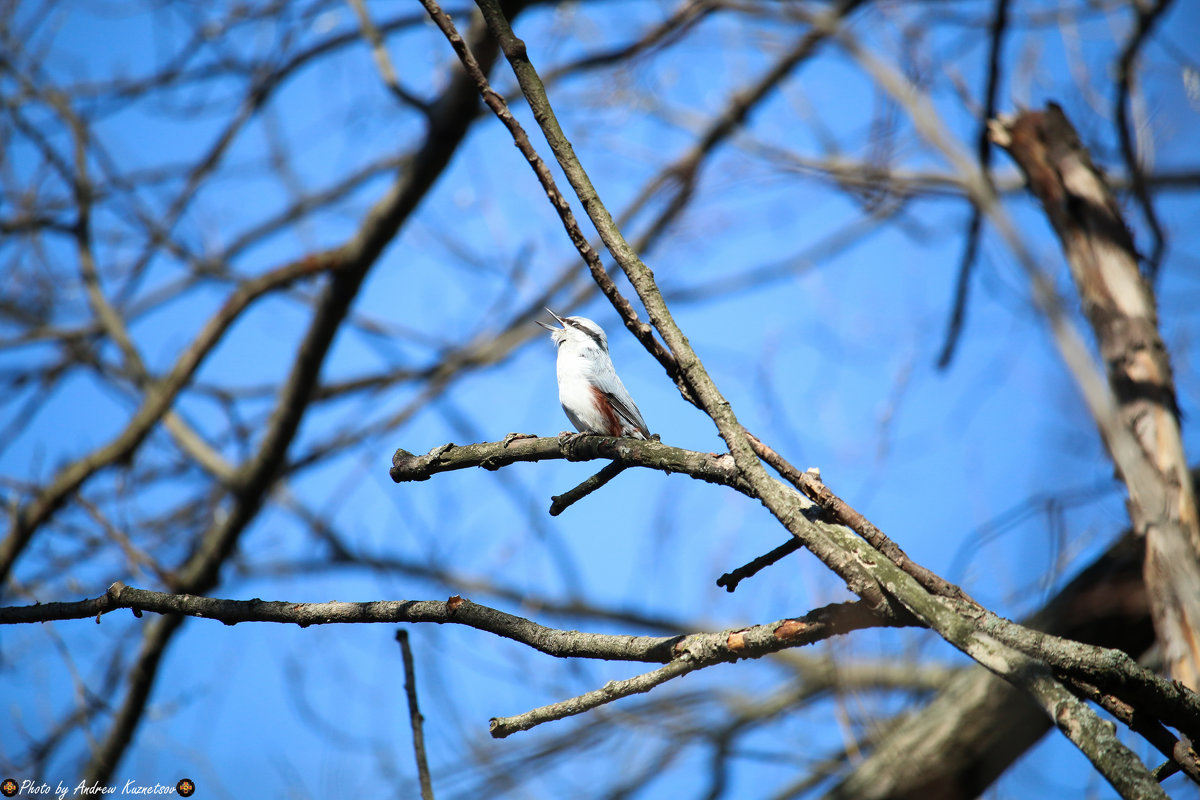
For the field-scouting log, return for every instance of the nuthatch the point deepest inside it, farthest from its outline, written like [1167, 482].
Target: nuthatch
[588, 387]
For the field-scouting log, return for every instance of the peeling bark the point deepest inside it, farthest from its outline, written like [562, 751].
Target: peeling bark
[1120, 306]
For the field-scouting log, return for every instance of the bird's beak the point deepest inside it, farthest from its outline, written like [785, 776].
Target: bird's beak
[551, 327]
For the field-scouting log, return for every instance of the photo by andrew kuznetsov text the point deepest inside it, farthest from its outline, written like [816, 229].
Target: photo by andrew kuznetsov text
[11, 787]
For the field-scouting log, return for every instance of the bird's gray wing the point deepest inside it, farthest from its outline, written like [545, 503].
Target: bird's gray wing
[628, 412]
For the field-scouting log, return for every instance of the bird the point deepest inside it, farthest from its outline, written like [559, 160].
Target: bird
[591, 394]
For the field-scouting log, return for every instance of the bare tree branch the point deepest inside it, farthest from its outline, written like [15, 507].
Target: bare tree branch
[978, 724]
[129, 268]
[1147, 17]
[983, 150]
[416, 721]
[561, 502]
[708, 467]
[158, 401]
[703, 648]
[452, 114]
[387, 71]
[1078, 722]
[1121, 308]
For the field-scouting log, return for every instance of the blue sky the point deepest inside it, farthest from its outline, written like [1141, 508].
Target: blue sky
[833, 363]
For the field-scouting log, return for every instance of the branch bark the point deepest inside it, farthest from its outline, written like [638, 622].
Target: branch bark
[449, 119]
[698, 649]
[978, 724]
[708, 467]
[878, 583]
[1120, 306]
[415, 720]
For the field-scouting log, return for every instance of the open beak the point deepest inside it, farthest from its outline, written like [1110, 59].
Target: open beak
[549, 327]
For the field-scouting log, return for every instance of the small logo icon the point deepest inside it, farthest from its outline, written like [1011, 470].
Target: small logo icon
[8, 787]
[185, 787]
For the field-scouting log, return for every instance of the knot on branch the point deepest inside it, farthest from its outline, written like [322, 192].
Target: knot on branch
[404, 467]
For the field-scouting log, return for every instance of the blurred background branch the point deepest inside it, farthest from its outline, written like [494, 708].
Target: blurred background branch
[250, 249]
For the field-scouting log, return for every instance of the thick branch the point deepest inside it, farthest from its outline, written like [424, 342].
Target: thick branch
[978, 725]
[450, 118]
[703, 648]
[708, 467]
[846, 554]
[1120, 306]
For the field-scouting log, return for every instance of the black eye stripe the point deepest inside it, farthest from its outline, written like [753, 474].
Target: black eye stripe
[594, 336]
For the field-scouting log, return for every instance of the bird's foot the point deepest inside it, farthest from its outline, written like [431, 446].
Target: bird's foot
[569, 442]
[571, 438]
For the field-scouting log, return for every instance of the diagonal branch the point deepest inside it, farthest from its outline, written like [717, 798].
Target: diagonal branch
[693, 653]
[692, 376]
[561, 502]
[502, 727]
[383, 62]
[451, 117]
[1120, 305]
[979, 724]
[879, 583]
[535, 94]
[983, 151]
[159, 399]
[497, 104]
[415, 720]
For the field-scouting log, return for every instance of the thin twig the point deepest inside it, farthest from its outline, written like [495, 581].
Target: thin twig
[1146, 19]
[983, 149]
[694, 654]
[495, 101]
[414, 716]
[661, 36]
[561, 502]
[842, 512]
[349, 264]
[730, 580]
[1181, 756]
[382, 60]
[501, 727]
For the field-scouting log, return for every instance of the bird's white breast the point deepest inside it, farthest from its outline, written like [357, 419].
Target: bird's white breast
[579, 368]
